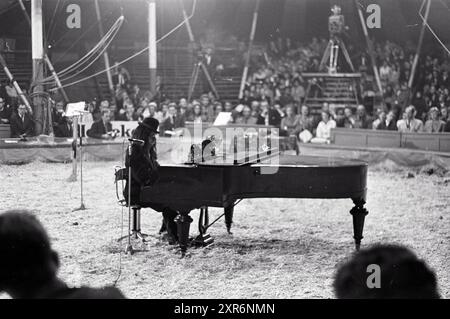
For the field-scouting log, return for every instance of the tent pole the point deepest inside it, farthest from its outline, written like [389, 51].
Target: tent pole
[46, 58]
[370, 48]
[188, 24]
[249, 51]
[152, 53]
[419, 45]
[37, 53]
[105, 54]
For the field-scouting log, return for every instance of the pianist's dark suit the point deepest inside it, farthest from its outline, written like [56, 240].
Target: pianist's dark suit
[19, 127]
[145, 172]
[98, 129]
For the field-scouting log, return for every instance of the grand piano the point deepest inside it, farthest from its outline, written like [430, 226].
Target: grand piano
[222, 181]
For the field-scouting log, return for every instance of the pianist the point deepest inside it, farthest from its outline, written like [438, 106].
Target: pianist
[144, 172]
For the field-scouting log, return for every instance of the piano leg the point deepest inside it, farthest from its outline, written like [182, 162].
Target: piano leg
[183, 221]
[229, 218]
[203, 239]
[359, 214]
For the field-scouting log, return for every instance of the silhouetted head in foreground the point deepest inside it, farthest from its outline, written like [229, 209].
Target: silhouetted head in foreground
[385, 272]
[28, 264]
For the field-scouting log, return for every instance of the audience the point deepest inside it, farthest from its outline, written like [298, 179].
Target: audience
[401, 275]
[275, 94]
[29, 265]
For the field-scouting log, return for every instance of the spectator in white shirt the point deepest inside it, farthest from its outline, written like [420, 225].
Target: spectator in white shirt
[410, 123]
[323, 131]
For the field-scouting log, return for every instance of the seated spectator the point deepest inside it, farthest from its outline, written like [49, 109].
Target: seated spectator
[189, 112]
[434, 124]
[127, 114]
[29, 265]
[246, 117]
[445, 113]
[380, 122]
[228, 107]
[21, 123]
[348, 120]
[173, 121]
[420, 105]
[385, 72]
[198, 117]
[323, 131]
[217, 109]
[62, 125]
[305, 120]
[104, 104]
[254, 106]
[385, 121]
[183, 107]
[5, 112]
[290, 124]
[163, 114]
[269, 115]
[145, 110]
[362, 120]
[113, 111]
[102, 129]
[409, 123]
[445, 116]
[401, 275]
[298, 91]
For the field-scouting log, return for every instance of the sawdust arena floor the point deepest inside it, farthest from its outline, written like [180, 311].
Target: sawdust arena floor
[279, 248]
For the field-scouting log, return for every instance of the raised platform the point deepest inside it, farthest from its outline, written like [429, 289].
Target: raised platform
[377, 155]
[44, 148]
[330, 75]
[60, 150]
[436, 142]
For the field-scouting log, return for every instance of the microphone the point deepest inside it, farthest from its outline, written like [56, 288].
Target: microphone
[135, 140]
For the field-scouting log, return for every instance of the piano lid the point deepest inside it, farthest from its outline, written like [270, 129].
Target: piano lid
[240, 158]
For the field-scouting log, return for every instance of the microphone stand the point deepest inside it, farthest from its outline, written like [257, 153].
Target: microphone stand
[82, 206]
[129, 248]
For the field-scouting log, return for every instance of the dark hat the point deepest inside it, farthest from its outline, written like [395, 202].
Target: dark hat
[151, 123]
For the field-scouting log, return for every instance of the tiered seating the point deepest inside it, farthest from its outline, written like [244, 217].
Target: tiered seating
[20, 65]
[175, 66]
[338, 89]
